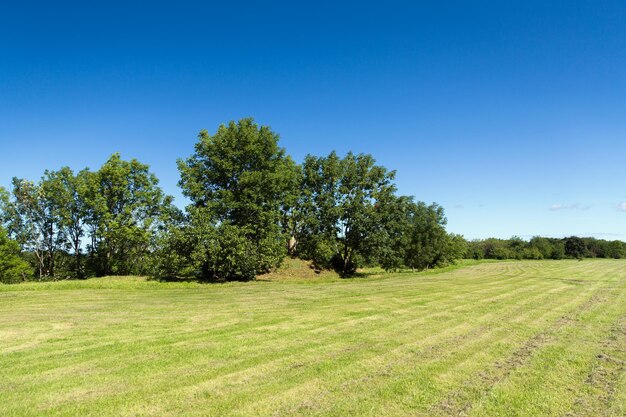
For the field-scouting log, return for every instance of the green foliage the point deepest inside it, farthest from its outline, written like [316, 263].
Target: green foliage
[392, 254]
[558, 250]
[575, 247]
[13, 268]
[120, 207]
[427, 237]
[418, 237]
[344, 207]
[32, 221]
[615, 250]
[542, 246]
[124, 208]
[250, 206]
[67, 193]
[201, 249]
[546, 248]
[456, 249]
[241, 184]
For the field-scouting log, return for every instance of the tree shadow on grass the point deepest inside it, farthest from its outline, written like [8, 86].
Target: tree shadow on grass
[361, 275]
[194, 280]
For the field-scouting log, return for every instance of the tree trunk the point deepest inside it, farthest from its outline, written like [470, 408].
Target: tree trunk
[291, 245]
[77, 258]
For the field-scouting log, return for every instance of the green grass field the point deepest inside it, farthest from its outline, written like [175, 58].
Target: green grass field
[507, 338]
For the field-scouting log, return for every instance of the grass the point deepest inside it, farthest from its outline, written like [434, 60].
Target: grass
[506, 338]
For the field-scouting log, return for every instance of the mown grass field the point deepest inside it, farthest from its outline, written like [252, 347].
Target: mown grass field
[508, 338]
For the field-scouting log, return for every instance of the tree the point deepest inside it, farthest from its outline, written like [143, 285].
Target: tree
[595, 248]
[558, 250]
[241, 184]
[67, 193]
[12, 267]
[543, 246]
[393, 253]
[291, 220]
[456, 248]
[31, 220]
[418, 237]
[427, 238]
[120, 206]
[344, 205]
[615, 249]
[517, 246]
[575, 247]
[124, 207]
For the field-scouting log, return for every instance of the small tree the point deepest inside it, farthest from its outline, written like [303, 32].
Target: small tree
[12, 267]
[427, 242]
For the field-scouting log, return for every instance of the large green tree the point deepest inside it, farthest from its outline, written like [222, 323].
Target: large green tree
[124, 207]
[67, 193]
[241, 183]
[344, 207]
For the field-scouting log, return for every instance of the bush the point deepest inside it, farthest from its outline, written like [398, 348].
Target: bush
[13, 268]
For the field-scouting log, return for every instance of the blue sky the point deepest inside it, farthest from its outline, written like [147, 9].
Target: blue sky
[512, 115]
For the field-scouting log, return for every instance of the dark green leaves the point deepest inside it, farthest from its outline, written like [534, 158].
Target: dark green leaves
[344, 204]
[119, 208]
[241, 185]
[13, 268]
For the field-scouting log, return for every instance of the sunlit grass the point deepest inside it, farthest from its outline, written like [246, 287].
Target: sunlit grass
[505, 338]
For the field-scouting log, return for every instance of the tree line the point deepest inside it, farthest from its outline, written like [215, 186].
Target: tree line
[538, 247]
[250, 206]
[89, 223]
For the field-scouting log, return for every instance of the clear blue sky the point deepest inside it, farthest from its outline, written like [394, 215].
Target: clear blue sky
[512, 115]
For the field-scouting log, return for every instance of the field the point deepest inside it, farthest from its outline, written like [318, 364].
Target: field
[521, 338]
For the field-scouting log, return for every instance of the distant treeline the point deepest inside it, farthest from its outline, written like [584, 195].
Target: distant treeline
[251, 206]
[546, 248]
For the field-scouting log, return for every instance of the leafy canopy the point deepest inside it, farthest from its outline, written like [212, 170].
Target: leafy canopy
[239, 181]
[343, 204]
